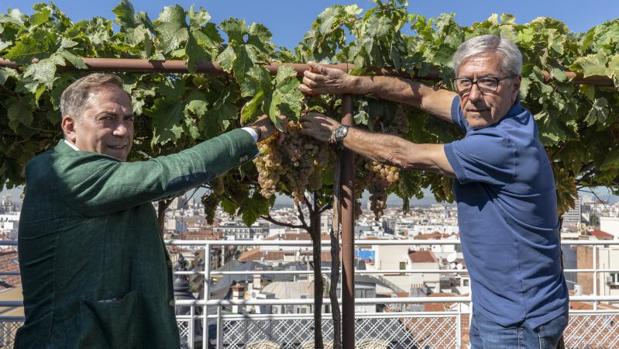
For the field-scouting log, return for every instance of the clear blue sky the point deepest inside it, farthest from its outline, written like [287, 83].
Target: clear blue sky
[289, 20]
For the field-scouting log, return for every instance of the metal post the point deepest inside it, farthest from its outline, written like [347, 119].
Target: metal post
[595, 275]
[470, 314]
[459, 327]
[191, 327]
[348, 236]
[213, 69]
[205, 288]
[223, 255]
[220, 330]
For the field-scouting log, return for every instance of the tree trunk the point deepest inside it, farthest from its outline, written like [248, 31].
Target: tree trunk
[318, 284]
[335, 278]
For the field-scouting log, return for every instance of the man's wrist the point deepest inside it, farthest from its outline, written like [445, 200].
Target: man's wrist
[259, 133]
[338, 134]
[359, 85]
[255, 133]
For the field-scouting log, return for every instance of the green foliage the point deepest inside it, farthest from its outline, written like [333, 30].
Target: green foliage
[578, 123]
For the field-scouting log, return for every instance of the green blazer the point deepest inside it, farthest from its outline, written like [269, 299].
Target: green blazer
[95, 271]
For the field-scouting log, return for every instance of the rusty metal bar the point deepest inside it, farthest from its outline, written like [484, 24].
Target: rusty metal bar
[212, 68]
[596, 80]
[169, 66]
[575, 78]
[347, 203]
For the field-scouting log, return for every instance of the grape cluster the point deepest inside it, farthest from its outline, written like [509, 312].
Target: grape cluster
[210, 202]
[380, 177]
[292, 165]
[269, 165]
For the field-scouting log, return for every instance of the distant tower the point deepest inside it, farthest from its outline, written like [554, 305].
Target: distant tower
[571, 218]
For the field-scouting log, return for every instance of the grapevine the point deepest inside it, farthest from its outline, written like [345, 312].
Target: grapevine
[175, 111]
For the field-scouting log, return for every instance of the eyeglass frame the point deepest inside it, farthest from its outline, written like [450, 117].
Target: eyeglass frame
[475, 81]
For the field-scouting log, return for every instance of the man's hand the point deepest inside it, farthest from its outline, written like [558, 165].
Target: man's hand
[265, 127]
[318, 126]
[322, 80]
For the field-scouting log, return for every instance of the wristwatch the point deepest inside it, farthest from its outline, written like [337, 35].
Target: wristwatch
[337, 136]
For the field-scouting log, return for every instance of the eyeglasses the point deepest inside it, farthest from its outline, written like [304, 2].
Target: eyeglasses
[487, 84]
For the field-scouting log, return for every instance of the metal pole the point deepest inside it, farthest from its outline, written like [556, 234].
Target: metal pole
[167, 66]
[206, 296]
[191, 328]
[595, 276]
[459, 327]
[223, 256]
[212, 68]
[220, 330]
[348, 236]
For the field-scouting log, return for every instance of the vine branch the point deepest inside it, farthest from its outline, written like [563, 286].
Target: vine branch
[283, 224]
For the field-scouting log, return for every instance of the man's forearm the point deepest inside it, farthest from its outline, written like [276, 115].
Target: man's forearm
[390, 88]
[434, 101]
[398, 152]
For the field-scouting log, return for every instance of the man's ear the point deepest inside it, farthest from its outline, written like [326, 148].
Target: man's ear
[516, 84]
[68, 128]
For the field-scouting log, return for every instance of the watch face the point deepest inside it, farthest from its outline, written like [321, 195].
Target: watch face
[340, 133]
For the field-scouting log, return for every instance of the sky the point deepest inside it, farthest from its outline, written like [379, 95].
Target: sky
[288, 20]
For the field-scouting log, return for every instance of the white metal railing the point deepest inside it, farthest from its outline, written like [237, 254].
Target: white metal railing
[587, 327]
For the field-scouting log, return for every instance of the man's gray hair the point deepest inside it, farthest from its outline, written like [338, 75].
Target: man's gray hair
[512, 58]
[74, 97]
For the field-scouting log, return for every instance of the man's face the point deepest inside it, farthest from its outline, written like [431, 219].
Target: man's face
[484, 108]
[106, 123]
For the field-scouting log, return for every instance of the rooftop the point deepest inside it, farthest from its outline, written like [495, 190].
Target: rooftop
[422, 257]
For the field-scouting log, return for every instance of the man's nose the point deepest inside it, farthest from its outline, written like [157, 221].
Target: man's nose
[121, 129]
[475, 93]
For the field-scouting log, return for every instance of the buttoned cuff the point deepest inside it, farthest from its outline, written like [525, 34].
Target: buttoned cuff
[252, 132]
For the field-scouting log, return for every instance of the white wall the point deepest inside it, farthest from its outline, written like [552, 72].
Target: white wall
[610, 225]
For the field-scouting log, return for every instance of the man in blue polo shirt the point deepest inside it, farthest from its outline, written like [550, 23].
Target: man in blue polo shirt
[504, 185]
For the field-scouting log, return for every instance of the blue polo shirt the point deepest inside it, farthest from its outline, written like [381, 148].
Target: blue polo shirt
[507, 212]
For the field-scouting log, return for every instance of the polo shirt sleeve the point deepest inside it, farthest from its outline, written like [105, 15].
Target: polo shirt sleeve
[456, 114]
[485, 156]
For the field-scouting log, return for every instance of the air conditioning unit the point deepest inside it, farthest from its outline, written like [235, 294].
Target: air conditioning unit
[612, 281]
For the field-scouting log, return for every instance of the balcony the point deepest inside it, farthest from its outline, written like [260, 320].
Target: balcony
[396, 322]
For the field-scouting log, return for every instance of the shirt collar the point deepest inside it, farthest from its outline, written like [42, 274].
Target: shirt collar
[73, 146]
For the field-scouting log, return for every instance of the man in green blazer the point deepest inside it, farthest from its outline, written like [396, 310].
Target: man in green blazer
[94, 268]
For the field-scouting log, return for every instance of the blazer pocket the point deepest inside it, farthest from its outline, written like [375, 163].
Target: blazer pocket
[111, 323]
